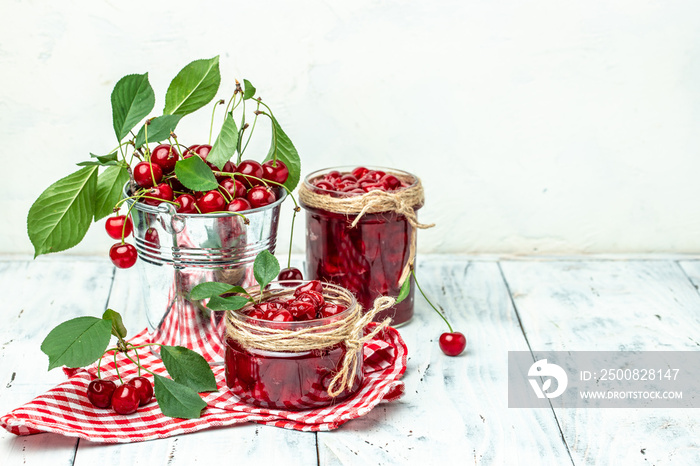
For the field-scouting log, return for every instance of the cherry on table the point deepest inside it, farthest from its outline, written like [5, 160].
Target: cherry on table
[99, 392]
[452, 344]
[123, 255]
[166, 156]
[125, 399]
[275, 170]
[144, 388]
[147, 174]
[115, 226]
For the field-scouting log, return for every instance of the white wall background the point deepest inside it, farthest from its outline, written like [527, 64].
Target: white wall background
[537, 127]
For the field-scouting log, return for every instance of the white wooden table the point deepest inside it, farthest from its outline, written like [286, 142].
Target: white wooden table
[455, 410]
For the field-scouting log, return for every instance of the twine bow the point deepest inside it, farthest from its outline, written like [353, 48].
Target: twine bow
[347, 331]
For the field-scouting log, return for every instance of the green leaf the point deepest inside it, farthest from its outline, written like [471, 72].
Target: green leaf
[132, 100]
[62, 214]
[77, 342]
[226, 142]
[231, 303]
[283, 149]
[405, 289]
[115, 320]
[158, 130]
[265, 268]
[177, 400]
[193, 87]
[188, 368]
[102, 160]
[249, 90]
[195, 174]
[210, 289]
[110, 184]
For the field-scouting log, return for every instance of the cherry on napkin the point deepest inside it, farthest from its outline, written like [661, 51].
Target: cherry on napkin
[66, 410]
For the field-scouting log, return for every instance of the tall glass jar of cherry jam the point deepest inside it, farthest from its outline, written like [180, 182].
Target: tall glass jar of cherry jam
[369, 255]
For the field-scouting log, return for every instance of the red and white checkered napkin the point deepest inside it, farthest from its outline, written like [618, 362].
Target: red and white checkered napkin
[66, 410]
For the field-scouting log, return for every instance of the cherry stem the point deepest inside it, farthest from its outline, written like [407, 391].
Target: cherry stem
[250, 135]
[415, 280]
[116, 367]
[291, 237]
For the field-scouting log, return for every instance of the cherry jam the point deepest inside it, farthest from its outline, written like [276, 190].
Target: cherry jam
[369, 258]
[285, 379]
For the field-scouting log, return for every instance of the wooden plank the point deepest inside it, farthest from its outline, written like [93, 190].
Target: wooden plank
[38, 295]
[454, 410]
[244, 444]
[611, 306]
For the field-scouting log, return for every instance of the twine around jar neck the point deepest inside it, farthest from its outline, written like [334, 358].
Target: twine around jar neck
[347, 331]
[403, 202]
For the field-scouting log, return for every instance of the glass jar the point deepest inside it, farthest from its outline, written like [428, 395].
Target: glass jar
[292, 380]
[369, 258]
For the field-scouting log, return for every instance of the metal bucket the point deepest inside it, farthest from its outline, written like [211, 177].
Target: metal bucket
[179, 251]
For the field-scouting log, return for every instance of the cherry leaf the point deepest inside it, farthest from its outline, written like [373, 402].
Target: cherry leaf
[77, 342]
[405, 289]
[132, 99]
[226, 142]
[188, 368]
[248, 90]
[159, 129]
[195, 174]
[231, 303]
[283, 149]
[265, 268]
[193, 87]
[115, 320]
[110, 184]
[60, 217]
[177, 400]
[210, 289]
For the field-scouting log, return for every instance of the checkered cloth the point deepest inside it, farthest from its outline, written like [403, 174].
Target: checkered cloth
[66, 410]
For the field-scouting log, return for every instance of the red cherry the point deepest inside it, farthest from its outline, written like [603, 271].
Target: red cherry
[359, 172]
[252, 169]
[115, 226]
[147, 174]
[125, 399]
[256, 314]
[166, 156]
[123, 255]
[324, 185]
[259, 196]
[302, 310]
[331, 309]
[186, 204]
[282, 315]
[190, 151]
[390, 182]
[234, 187]
[100, 391]
[275, 171]
[212, 201]
[162, 192]
[313, 285]
[144, 388]
[452, 344]
[239, 204]
[203, 150]
[313, 297]
[291, 273]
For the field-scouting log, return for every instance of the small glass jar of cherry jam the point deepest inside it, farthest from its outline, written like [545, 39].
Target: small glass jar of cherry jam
[369, 258]
[291, 380]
